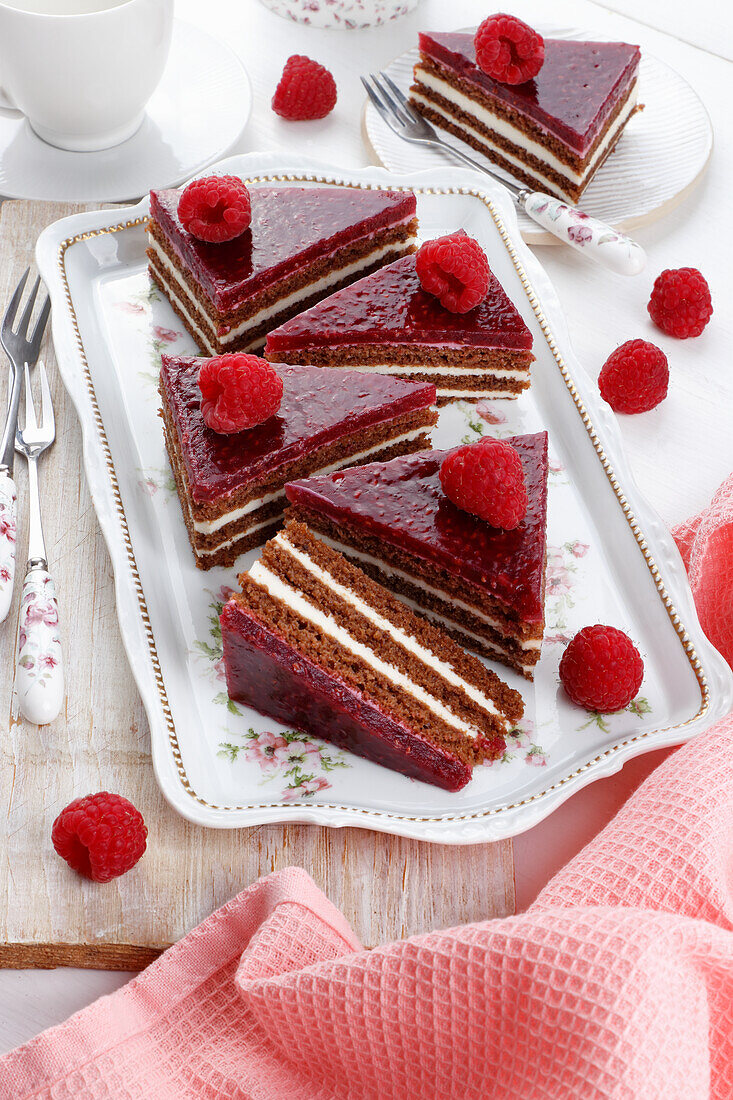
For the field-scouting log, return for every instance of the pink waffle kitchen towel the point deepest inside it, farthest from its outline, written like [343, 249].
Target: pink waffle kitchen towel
[616, 984]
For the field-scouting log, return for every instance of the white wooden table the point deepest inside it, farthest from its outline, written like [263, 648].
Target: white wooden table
[680, 452]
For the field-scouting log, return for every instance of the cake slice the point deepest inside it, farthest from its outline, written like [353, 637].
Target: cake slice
[387, 323]
[484, 585]
[302, 244]
[231, 487]
[313, 642]
[551, 133]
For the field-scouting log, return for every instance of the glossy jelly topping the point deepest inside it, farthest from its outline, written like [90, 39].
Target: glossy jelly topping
[402, 502]
[319, 406]
[391, 306]
[291, 227]
[572, 96]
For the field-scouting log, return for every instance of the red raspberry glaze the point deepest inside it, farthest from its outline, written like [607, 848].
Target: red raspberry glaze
[601, 669]
[455, 270]
[486, 479]
[306, 90]
[215, 209]
[680, 303]
[101, 835]
[238, 391]
[635, 377]
[508, 50]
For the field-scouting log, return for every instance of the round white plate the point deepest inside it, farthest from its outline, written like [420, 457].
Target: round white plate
[195, 116]
[660, 157]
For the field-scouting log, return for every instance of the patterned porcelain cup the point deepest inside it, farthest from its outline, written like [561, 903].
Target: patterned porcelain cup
[346, 14]
[81, 71]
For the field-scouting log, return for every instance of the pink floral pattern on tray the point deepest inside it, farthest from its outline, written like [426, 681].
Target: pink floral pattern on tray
[296, 760]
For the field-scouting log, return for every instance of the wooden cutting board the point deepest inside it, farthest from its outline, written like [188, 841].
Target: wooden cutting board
[387, 887]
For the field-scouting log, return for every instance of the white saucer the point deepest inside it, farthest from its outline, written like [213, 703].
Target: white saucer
[195, 116]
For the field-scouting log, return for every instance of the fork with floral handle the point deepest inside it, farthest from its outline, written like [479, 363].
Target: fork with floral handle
[39, 678]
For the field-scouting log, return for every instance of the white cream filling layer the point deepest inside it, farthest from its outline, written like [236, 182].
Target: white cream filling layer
[427, 368]
[328, 625]
[395, 632]
[508, 395]
[208, 527]
[319, 286]
[510, 132]
[393, 571]
[237, 538]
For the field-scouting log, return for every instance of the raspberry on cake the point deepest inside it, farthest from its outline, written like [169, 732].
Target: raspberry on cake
[601, 669]
[215, 209]
[550, 132]
[301, 244]
[508, 50]
[455, 270]
[238, 391]
[313, 642]
[306, 90]
[485, 586]
[387, 322]
[486, 478]
[231, 486]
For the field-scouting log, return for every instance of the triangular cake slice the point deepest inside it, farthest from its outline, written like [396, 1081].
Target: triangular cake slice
[314, 643]
[486, 586]
[387, 323]
[231, 487]
[302, 244]
[551, 133]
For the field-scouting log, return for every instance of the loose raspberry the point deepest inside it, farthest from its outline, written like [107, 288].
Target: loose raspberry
[635, 377]
[455, 269]
[508, 50]
[601, 669]
[680, 303]
[238, 391]
[487, 479]
[215, 209]
[306, 90]
[101, 835]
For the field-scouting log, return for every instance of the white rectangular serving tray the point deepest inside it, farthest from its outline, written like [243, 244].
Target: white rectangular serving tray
[610, 559]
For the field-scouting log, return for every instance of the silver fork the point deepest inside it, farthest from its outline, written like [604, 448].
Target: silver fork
[39, 679]
[21, 348]
[592, 238]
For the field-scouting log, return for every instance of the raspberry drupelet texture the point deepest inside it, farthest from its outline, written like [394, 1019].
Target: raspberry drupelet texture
[487, 479]
[238, 391]
[215, 209]
[635, 377]
[306, 90]
[455, 270]
[508, 50]
[601, 669]
[680, 304]
[101, 835]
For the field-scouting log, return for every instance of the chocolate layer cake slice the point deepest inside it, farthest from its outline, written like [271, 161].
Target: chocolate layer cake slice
[387, 323]
[302, 244]
[231, 487]
[551, 133]
[313, 642]
[484, 585]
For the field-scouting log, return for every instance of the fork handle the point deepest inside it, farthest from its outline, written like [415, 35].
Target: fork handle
[594, 239]
[8, 526]
[39, 679]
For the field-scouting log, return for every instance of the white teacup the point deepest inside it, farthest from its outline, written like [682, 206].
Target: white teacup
[81, 71]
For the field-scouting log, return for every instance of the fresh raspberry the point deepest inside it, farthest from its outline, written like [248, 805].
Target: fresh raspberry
[215, 209]
[306, 90]
[101, 835]
[634, 378]
[680, 303]
[238, 391]
[601, 669]
[508, 50]
[486, 479]
[455, 269]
